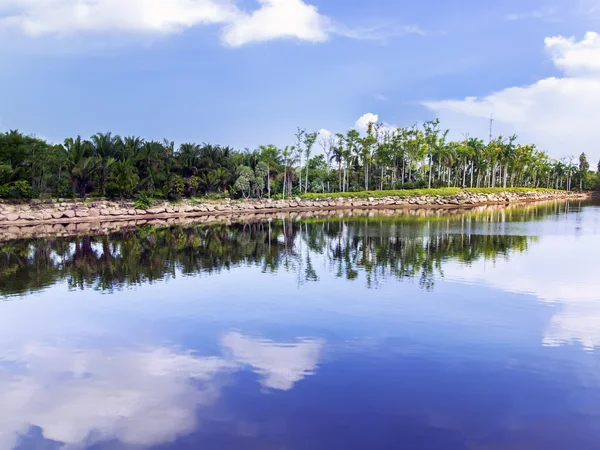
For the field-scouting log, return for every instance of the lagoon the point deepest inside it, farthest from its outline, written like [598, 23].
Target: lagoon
[476, 330]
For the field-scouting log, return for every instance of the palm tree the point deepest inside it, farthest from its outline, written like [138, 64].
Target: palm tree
[148, 160]
[106, 148]
[189, 156]
[80, 164]
[132, 146]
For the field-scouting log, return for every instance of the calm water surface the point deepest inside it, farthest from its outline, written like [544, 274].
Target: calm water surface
[477, 331]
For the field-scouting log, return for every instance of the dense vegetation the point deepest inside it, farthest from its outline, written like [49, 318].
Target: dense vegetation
[372, 248]
[383, 158]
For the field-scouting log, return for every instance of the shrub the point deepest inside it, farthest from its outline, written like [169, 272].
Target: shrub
[18, 190]
[142, 201]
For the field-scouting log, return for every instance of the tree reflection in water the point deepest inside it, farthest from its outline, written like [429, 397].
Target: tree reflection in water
[381, 247]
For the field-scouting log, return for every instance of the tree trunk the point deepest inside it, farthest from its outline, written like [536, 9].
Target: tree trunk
[306, 182]
[430, 168]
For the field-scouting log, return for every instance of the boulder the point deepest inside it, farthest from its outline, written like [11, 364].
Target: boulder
[68, 214]
[12, 217]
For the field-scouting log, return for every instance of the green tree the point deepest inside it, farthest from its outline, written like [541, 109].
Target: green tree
[106, 148]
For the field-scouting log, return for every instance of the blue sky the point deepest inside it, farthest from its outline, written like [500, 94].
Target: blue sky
[247, 73]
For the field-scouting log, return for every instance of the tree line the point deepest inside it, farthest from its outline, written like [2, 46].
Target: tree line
[421, 156]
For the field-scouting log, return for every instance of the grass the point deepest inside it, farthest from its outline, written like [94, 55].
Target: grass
[442, 192]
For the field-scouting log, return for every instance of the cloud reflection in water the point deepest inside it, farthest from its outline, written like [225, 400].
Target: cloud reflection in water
[142, 397]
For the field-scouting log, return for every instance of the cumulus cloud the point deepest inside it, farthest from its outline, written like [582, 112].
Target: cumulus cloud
[362, 124]
[62, 17]
[278, 19]
[140, 397]
[557, 113]
[273, 19]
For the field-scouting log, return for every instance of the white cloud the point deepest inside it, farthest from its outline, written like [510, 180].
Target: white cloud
[378, 33]
[280, 365]
[576, 58]
[273, 19]
[278, 19]
[361, 125]
[143, 397]
[63, 17]
[543, 13]
[363, 122]
[557, 113]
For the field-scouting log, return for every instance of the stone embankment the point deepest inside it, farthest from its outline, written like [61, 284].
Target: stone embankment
[109, 225]
[49, 212]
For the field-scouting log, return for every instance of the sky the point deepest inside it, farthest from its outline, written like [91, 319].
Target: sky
[249, 72]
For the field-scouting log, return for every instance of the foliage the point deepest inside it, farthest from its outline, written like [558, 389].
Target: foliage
[174, 188]
[142, 201]
[382, 159]
[16, 190]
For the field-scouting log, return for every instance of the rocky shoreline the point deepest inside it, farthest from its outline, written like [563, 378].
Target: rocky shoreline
[109, 225]
[62, 211]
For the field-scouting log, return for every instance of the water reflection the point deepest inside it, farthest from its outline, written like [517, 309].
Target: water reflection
[271, 335]
[145, 397]
[382, 247]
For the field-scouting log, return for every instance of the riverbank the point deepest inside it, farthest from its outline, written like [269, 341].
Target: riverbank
[107, 225]
[62, 211]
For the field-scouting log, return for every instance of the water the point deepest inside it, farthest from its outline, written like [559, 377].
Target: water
[471, 331]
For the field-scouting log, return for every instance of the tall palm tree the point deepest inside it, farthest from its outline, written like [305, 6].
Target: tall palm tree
[189, 157]
[106, 149]
[81, 164]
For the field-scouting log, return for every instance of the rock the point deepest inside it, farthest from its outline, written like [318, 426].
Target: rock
[157, 210]
[140, 212]
[12, 217]
[82, 213]
[30, 216]
[68, 214]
